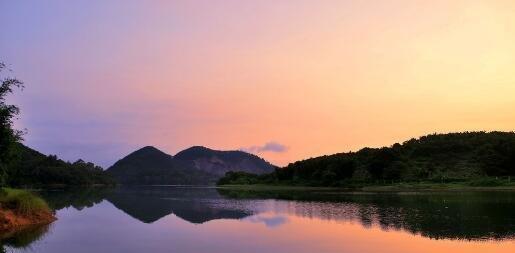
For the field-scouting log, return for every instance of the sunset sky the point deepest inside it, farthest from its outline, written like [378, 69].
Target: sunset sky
[286, 80]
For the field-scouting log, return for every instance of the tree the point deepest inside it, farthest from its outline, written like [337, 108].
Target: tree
[395, 170]
[8, 136]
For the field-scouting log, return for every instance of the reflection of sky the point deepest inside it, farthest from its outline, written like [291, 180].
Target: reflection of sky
[105, 229]
[270, 221]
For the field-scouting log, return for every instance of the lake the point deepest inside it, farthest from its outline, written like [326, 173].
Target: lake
[207, 219]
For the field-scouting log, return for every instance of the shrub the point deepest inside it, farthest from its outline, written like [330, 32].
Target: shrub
[486, 182]
[23, 202]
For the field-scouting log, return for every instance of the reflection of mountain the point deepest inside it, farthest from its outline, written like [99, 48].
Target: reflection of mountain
[470, 216]
[149, 204]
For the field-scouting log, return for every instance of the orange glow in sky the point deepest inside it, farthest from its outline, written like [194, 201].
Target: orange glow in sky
[318, 77]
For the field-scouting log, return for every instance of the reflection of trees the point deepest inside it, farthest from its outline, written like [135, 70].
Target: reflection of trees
[78, 198]
[22, 238]
[147, 204]
[470, 216]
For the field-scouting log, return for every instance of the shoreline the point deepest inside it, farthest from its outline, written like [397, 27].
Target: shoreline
[422, 187]
[22, 209]
[11, 221]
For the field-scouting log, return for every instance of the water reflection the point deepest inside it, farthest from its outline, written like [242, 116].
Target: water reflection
[470, 216]
[270, 221]
[478, 216]
[149, 204]
[22, 238]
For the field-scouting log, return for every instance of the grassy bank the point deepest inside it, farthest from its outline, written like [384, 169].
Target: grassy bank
[395, 187]
[465, 186]
[21, 208]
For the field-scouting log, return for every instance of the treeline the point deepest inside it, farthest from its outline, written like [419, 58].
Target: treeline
[22, 166]
[32, 168]
[436, 157]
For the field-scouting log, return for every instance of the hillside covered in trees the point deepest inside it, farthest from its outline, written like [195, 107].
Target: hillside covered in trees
[23, 166]
[437, 157]
[31, 168]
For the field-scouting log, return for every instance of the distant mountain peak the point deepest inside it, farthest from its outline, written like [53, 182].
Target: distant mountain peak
[146, 151]
[194, 152]
[148, 148]
[197, 148]
[199, 151]
[219, 162]
[195, 165]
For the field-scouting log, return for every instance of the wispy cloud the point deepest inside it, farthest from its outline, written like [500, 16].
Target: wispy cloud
[271, 146]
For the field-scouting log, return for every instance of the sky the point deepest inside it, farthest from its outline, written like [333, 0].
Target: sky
[286, 80]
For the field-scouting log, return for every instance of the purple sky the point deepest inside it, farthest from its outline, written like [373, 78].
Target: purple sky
[287, 79]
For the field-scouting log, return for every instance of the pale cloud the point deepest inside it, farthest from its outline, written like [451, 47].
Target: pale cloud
[271, 146]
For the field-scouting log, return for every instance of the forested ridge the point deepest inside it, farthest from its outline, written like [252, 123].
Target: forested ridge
[436, 157]
[23, 166]
[32, 168]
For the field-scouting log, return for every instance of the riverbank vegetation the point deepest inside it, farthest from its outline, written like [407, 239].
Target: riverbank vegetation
[21, 166]
[479, 159]
[372, 188]
[24, 217]
[21, 208]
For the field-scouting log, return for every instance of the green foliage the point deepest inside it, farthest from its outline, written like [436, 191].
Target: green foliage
[442, 158]
[238, 178]
[20, 165]
[35, 169]
[23, 202]
[487, 182]
[8, 136]
[242, 178]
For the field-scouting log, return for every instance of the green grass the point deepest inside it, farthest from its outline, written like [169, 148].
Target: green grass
[22, 201]
[475, 185]
[275, 187]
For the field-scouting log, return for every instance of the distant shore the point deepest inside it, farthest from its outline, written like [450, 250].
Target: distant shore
[400, 187]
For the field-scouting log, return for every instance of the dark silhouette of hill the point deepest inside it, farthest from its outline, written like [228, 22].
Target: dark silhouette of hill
[151, 166]
[193, 166]
[32, 168]
[436, 157]
[219, 162]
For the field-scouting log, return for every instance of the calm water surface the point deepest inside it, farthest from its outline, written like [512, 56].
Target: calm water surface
[196, 220]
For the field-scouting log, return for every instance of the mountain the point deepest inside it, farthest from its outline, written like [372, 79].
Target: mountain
[478, 157]
[151, 166]
[219, 162]
[196, 165]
